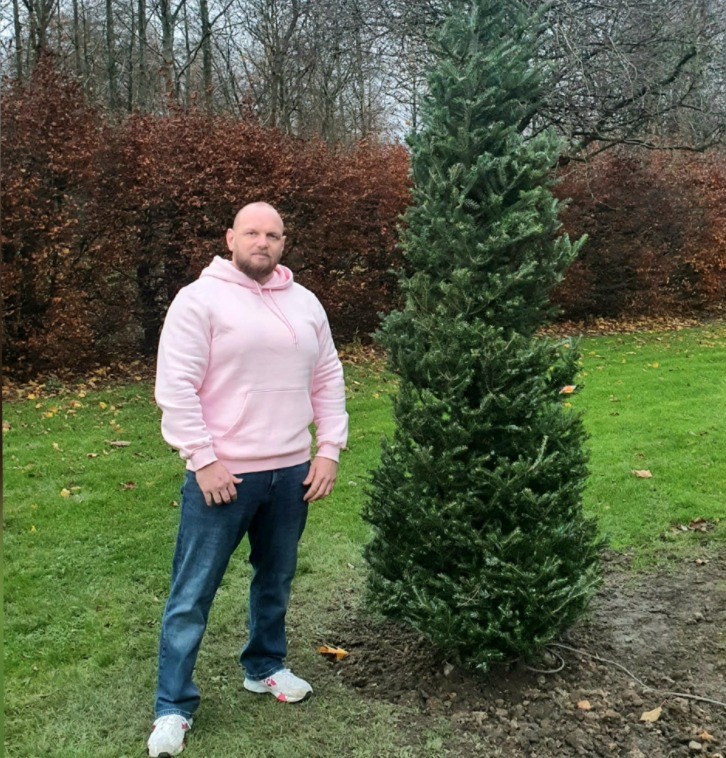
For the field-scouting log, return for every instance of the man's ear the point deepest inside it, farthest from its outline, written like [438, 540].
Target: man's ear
[230, 239]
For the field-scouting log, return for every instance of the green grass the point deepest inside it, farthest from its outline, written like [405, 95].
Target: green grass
[86, 575]
[656, 402]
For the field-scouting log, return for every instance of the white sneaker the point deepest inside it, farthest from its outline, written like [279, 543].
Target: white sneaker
[167, 736]
[283, 684]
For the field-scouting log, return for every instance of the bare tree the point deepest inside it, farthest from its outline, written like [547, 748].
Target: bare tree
[40, 14]
[623, 71]
[111, 57]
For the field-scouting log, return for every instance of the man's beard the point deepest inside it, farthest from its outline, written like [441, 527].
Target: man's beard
[256, 271]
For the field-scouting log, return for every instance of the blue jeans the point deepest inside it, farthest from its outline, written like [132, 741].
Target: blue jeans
[271, 510]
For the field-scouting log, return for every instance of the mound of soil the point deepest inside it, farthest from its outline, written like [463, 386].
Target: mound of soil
[668, 630]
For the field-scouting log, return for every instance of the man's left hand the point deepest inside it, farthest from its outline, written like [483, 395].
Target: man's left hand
[321, 478]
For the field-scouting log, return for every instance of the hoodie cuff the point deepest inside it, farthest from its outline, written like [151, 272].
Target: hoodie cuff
[201, 458]
[328, 451]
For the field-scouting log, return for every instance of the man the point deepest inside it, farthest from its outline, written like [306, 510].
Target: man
[246, 363]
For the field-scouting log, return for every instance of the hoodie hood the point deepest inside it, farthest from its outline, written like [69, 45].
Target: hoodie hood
[281, 279]
[221, 268]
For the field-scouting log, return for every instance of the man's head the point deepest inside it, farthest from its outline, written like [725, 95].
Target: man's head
[256, 240]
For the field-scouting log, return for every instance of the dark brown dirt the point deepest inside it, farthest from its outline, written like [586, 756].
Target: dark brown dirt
[668, 629]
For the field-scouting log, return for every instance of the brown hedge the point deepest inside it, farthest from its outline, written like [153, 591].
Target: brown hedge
[656, 222]
[104, 222]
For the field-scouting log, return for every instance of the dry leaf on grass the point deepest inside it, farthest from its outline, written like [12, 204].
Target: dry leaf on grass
[584, 705]
[65, 493]
[651, 716]
[642, 473]
[334, 652]
[118, 443]
[568, 389]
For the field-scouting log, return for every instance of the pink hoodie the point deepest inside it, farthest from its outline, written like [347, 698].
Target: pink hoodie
[244, 369]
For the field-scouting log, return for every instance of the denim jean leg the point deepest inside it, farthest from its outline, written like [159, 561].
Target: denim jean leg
[274, 534]
[206, 540]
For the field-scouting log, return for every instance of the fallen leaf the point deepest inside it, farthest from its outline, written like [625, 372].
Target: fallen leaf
[6, 426]
[102, 406]
[655, 365]
[128, 486]
[174, 504]
[91, 455]
[700, 525]
[33, 530]
[568, 389]
[336, 652]
[651, 716]
[642, 473]
[65, 493]
[118, 443]
[701, 561]
[704, 736]
[56, 446]
[584, 705]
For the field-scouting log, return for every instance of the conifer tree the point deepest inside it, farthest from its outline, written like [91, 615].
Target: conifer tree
[479, 538]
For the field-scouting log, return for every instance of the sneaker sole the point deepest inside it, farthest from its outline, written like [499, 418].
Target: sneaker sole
[260, 689]
[169, 755]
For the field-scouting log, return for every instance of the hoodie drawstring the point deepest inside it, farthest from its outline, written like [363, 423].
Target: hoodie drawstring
[277, 312]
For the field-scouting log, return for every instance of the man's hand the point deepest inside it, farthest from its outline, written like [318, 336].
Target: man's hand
[321, 478]
[217, 484]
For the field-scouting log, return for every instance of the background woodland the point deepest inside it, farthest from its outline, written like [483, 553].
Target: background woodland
[132, 131]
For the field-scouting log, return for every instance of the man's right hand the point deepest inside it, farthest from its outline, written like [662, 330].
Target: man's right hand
[217, 484]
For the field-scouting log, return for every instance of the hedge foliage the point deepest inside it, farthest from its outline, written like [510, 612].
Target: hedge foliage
[104, 221]
[656, 223]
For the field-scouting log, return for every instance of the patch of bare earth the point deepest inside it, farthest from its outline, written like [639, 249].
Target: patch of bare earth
[669, 630]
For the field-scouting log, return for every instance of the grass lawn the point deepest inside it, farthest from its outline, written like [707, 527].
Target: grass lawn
[89, 530]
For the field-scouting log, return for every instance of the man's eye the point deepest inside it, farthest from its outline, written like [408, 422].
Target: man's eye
[275, 237]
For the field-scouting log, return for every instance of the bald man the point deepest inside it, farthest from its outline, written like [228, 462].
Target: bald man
[246, 363]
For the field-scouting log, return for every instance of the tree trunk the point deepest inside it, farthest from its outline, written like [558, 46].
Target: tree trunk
[77, 60]
[188, 95]
[131, 62]
[18, 41]
[167, 49]
[206, 54]
[111, 57]
[142, 77]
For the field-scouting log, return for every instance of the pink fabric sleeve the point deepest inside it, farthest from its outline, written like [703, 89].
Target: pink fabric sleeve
[328, 396]
[182, 363]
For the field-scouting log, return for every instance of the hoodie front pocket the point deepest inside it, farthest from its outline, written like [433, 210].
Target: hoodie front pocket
[279, 416]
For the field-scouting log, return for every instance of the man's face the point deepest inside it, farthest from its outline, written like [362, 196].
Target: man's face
[256, 242]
